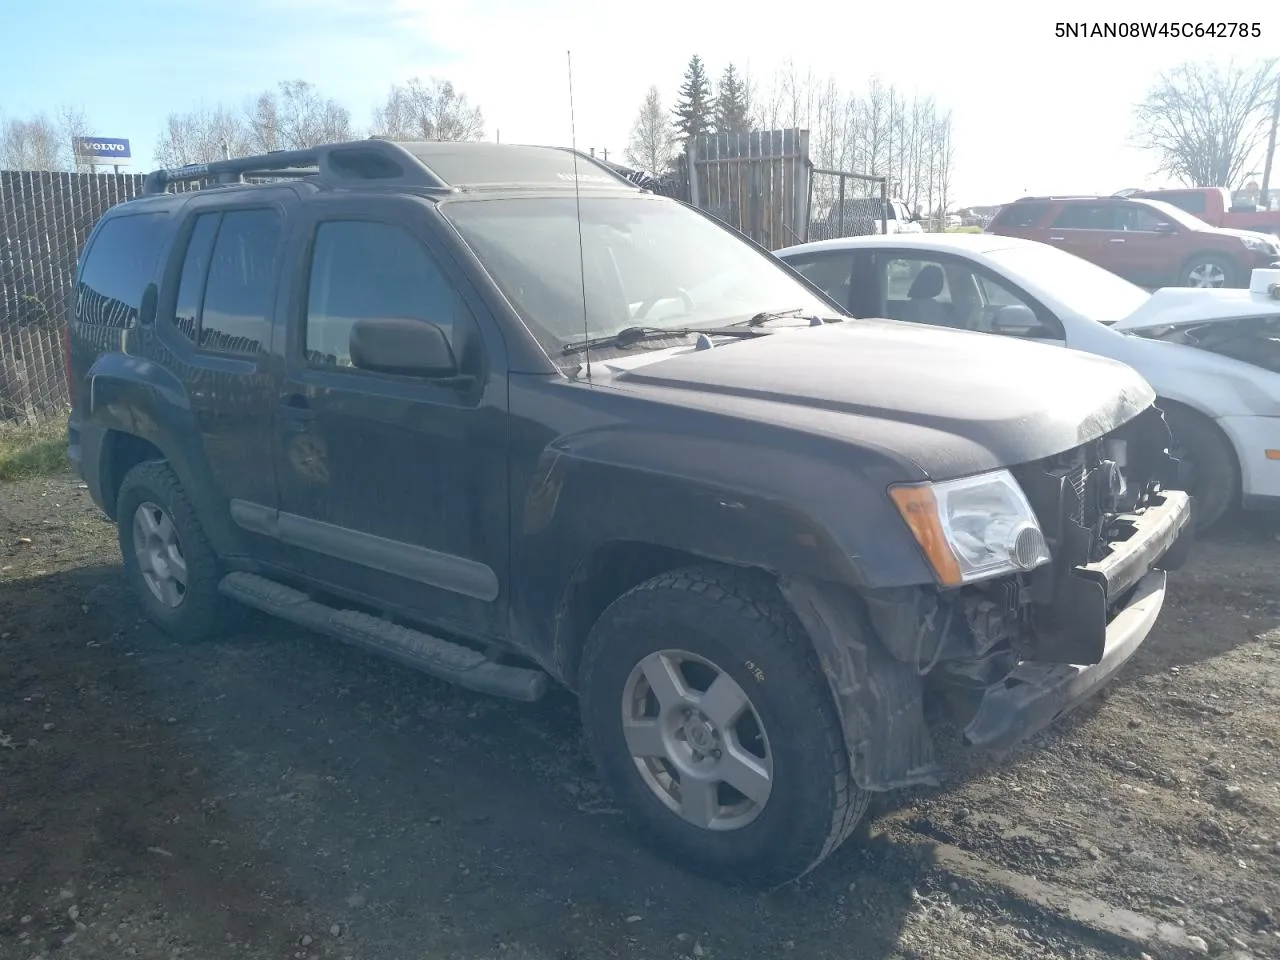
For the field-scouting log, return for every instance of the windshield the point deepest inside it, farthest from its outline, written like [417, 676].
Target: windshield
[645, 261]
[1077, 284]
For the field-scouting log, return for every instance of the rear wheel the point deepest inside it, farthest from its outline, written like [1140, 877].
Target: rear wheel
[713, 726]
[1208, 470]
[167, 559]
[1208, 270]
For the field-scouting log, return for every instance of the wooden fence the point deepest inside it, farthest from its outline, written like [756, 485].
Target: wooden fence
[757, 182]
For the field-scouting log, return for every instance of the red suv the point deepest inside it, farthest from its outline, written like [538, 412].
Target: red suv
[1149, 242]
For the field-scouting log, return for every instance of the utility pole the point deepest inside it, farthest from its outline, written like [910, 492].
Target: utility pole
[1271, 147]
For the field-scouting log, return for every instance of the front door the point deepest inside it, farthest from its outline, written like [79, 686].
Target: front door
[1144, 244]
[393, 487]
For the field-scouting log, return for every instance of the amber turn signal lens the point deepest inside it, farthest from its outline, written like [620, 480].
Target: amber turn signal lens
[919, 508]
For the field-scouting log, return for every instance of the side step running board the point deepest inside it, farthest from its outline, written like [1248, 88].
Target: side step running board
[442, 658]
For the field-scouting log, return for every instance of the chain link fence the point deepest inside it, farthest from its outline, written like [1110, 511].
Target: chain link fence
[843, 204]
[45, 219]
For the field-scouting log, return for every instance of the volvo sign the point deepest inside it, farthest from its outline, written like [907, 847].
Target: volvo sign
[103, 150]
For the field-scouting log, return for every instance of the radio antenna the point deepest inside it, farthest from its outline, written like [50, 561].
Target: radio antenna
[577, 200]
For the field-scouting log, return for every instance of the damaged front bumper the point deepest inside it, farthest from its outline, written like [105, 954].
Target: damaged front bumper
[1116, 599]
[878, 649]
[1037, 694]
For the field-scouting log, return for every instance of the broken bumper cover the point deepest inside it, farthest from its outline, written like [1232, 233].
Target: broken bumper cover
[1036, 694]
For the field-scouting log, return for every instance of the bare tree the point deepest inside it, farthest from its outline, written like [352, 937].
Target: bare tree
[945, 154]
[295, 117]
[428, 111]
[879, 131]
[202, 135]
[1206, 123]
[651, 146]
[41, 142]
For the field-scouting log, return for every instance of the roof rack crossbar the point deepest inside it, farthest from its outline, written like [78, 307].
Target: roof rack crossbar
[310, 162]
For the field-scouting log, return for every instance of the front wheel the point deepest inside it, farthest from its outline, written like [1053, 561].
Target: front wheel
[713, 726]
[1207, 270]
[1208, 464]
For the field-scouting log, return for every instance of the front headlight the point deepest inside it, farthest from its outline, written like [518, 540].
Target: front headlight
[1257, 244]
[974, 527]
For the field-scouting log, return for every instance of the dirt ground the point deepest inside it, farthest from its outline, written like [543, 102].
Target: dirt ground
[275, 794]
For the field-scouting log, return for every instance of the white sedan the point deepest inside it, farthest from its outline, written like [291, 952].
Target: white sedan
[1213, 356]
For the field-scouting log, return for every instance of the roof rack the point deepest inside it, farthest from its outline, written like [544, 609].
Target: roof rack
[1065, 196]
[372, 159]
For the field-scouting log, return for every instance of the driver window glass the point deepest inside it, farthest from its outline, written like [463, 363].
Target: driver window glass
[995, 297]
[998, 295]
[363, 270]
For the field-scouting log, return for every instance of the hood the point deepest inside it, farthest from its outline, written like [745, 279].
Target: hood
[1175, 306]
[1255, 234]
[951, 402]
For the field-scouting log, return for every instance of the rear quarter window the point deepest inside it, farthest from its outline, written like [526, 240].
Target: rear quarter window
[117, 267]
[1020, 215]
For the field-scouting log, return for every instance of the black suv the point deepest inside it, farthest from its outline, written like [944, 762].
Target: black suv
[499, 414]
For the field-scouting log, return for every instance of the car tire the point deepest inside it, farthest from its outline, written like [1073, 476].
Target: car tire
[723, 641]
[1206, 267]
[167, 558]
[1209, 473]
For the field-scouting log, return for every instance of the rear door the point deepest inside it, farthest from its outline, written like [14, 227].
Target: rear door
[216, 315]
[1085, 230]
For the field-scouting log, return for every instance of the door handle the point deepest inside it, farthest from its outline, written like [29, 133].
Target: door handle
[1057, 238]
[1117, 239]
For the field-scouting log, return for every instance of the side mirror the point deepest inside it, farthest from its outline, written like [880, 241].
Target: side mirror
[1166, 228]
[1016, 318]
[415, 348]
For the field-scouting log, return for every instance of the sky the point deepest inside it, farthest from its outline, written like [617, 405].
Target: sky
[1032, 113]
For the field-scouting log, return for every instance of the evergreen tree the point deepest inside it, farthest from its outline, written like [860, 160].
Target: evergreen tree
[731, 107]
[694, 109]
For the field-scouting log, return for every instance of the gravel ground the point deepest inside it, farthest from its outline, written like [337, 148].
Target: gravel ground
[275, 794]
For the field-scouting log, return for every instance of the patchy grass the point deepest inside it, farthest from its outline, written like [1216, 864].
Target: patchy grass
[964, 230]
[29, 450]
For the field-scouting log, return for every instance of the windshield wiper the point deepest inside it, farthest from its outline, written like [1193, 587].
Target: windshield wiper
[632, 335]
[766, 316]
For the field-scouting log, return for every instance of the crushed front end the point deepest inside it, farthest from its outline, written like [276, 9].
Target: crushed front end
[1014, 653]
[1008, 654]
